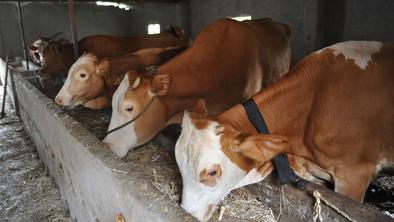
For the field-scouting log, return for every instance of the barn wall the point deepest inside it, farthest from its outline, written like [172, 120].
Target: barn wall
[43, 19]
[315, 23]
[300, 15]
[163, 13]
[369, 20]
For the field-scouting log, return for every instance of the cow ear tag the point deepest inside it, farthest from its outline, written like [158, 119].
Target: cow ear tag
[137, 82]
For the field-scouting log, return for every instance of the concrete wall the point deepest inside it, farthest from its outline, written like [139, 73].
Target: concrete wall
[315, 23]
[43, 19]
[300, 15]
[370, 20]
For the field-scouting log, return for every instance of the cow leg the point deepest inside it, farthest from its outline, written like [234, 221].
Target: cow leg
[353, 181]
[98, 103]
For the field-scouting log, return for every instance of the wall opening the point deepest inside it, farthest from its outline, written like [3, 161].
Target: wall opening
[114, 4]
[242, 17]
[153, 29]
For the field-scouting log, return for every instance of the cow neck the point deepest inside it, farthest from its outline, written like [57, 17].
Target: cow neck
[109, 83]
[68, 55]
[177, 98]
[284, 105]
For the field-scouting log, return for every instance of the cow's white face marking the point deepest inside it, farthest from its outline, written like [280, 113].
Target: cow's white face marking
[199, 149]
[82, 83]
[359, 51]
[121, 140]
[40, 44]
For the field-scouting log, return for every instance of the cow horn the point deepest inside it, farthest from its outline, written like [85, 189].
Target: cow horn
[54, 36]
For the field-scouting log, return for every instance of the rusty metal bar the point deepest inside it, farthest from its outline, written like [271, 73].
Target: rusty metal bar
[71, 15]
[22, 30]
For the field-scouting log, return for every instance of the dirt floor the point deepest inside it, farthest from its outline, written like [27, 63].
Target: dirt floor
[27, 194]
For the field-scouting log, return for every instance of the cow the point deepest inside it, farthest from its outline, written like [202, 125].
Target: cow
[228, 62]
[332, 114]
[59, 57]
[37, 46]
[92, 81]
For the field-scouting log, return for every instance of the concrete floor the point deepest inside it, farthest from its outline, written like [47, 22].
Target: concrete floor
[26, 192]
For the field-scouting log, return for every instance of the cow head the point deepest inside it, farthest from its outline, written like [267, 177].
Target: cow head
[54, 60]
[133, 97]
[214, 159]
[85, 81]
[36, 49]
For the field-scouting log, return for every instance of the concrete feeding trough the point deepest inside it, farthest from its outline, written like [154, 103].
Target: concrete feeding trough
[96, 185]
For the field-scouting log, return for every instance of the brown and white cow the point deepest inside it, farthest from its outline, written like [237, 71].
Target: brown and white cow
[59, 57]
[228, 62]
[37, 46]
[92, 81]
[333, 114]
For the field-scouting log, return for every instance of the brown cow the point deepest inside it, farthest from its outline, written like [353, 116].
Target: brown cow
[91, 81]
[37, 46]
[228, 63]
[59, 57]
[333, 113]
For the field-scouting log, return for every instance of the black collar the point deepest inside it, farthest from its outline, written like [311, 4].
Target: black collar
[285, 173]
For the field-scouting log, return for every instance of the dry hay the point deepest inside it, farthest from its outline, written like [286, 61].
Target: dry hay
[159, 168]
[26, 192]
[242, 204]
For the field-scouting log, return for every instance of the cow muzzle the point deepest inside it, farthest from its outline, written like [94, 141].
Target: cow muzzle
[200, 205]
[201, 214]
[66, 102]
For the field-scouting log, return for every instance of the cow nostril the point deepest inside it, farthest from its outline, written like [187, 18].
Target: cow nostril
[59, 101]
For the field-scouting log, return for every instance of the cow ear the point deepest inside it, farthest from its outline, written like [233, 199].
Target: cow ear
[102, 67]
[136, 82]
[200, 108]
[262, 147]
[160, 84]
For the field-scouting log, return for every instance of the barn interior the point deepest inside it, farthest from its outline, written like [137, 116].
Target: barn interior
[94, 185]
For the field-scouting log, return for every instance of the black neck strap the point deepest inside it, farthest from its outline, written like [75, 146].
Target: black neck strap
[285, 173]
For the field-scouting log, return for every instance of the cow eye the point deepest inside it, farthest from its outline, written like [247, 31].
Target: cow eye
[129, 109]
[212, 173]
[83, 75]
